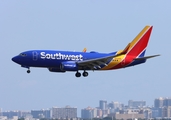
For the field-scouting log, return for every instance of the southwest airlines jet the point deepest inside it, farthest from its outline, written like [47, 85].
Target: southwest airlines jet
[62, 61]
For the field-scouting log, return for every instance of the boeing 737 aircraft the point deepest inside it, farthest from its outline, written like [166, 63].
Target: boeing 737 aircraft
[62, 61]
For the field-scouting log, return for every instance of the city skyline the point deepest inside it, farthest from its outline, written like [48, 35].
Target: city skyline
[99, 105]
[160, 109]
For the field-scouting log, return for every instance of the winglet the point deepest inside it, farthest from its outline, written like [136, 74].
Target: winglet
[85, 49]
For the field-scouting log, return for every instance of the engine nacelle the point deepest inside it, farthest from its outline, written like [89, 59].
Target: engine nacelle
[69, 66]
[55, 70]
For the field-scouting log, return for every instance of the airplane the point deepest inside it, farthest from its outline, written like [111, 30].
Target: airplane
[62, 61]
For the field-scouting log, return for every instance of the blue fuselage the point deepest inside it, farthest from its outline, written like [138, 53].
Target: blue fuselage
[52, 58]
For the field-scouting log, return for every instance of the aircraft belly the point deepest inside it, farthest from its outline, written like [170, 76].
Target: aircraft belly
[45, 63]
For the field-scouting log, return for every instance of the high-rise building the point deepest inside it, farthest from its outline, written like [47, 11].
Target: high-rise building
[155, 112]
[89, 113]
[162, 102]
[169, 111]
[11, 114]
[66, 112]
[40, 113]
[103, 104]
[167, 102]
[147, 114]
[99, 113]
[135, 104]
[158, 102]
[115, 105]
[162, 112]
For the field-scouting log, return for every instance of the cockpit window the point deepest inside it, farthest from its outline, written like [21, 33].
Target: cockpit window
[23, 54]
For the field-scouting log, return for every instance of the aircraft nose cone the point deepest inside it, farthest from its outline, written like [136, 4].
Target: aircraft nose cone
[14, 59]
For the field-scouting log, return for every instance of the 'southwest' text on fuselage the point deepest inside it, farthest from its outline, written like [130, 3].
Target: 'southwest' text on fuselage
[60, 56]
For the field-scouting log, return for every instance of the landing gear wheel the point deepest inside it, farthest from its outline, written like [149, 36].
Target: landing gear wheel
[28, 71]
[77, 74]
[85, 74]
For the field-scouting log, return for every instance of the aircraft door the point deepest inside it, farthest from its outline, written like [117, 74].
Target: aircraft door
[35, 55]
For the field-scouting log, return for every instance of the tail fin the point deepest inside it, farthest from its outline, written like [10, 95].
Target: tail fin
[138, 46]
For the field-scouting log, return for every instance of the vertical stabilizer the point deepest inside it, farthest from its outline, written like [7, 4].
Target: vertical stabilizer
[138, 46]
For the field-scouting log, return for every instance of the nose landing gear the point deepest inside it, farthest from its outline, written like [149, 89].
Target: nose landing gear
[28, 71]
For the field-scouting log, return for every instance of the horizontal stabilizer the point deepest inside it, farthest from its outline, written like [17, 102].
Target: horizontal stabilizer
[147, 57]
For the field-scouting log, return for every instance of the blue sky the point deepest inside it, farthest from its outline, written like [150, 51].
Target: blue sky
[103, 26]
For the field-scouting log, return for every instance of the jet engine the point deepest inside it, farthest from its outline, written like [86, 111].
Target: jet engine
[69, 66]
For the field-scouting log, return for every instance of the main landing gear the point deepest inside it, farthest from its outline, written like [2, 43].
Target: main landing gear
[78, 74]
[85, 74]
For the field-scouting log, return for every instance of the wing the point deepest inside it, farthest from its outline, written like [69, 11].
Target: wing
[94, 64]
